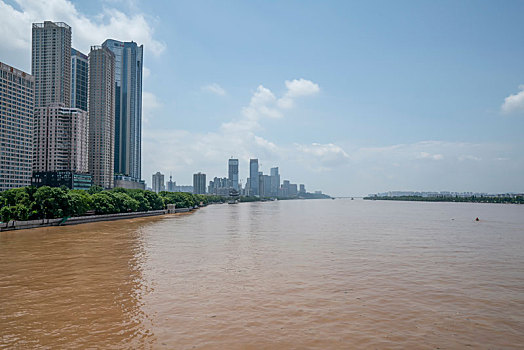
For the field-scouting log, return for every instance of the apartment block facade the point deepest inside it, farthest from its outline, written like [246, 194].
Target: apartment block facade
[16, 127]
[60, 139]
[101, 96]
[51, 63]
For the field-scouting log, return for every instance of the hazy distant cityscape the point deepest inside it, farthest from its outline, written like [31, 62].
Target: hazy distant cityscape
[257, 184]
[441, 194]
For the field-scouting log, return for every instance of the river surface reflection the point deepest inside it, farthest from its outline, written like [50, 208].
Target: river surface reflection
[316, 274]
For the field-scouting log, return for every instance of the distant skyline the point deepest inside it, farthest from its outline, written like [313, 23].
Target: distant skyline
[347, 97]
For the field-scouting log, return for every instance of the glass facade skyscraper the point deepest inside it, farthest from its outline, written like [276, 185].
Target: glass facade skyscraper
[253, 177]
[128, 107]
[233, 173]
[79, 77]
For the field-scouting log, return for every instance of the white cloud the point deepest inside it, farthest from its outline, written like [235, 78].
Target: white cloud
[433, 166]
[465, 157]
[15, 24]
[215, 89]
[514, 103]
[146, 73]
[150, 104]
[262, 104]
[180, 151]
[297, 88]
[426, 155]
[265, 104]
[322, 157]
[301, 87]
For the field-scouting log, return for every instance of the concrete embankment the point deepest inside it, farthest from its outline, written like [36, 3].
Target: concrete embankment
[20, 225]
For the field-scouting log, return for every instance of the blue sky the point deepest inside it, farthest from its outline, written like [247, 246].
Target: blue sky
[347, 97]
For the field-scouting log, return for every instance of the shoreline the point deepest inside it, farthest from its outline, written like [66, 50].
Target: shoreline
[479, 200]
[15, 225]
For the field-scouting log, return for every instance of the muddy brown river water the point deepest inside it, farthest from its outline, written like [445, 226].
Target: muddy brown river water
[317, 274]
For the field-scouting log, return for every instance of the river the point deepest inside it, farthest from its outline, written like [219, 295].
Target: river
[315, 274]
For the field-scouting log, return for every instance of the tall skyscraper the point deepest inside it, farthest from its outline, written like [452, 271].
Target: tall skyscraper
[233, 173]
[16, 127]
[199, 183]
[158, 182]
[275, 181]
[79, 79]
[253, 177]
[101, 116]
[51, 63]
[128, 107]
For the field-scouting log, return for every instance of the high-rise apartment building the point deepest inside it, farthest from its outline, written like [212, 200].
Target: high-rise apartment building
[128, 107]
[233, 173]
[199, 183]
[101, 116]
[51, 63]
[253, 177]
[16, 127]
[158, 182]
[79, 79]
[60, 139]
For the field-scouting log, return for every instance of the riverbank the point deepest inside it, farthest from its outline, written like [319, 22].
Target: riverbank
[28, 224]
[518, 199]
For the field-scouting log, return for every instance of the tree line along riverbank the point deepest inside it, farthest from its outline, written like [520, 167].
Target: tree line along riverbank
[31, 203]
[517, 199]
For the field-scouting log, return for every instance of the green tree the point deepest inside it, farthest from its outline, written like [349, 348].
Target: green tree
[124, 203]
[155, 201]
[79, 202]
[7, 213]
[104, 203]
[51, 202]
[138, 195]
[94, 189]
[21, 212]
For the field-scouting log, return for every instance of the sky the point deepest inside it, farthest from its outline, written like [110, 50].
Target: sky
[347, 97]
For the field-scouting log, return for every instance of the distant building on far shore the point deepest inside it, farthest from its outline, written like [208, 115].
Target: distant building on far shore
[171, 184]
[253, 177]
[199, 183]
[184, 188]
[302, 189]
[158, 182]
[275, 181]
[233, 173]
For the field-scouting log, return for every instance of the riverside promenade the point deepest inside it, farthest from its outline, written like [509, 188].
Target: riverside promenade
[21, 225]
